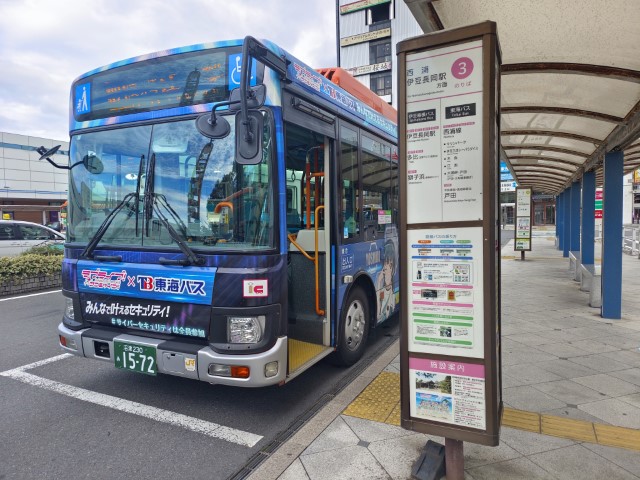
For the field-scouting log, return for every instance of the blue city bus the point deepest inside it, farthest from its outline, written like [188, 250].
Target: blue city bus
[232, 216]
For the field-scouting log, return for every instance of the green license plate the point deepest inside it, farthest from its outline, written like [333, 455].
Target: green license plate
[137, 358]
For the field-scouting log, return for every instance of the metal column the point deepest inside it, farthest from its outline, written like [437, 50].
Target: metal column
[612, 236]
[574, 227]
[588, 218]
[566, 229]
[560, 220]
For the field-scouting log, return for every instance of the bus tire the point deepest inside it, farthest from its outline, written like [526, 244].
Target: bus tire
[354, 329]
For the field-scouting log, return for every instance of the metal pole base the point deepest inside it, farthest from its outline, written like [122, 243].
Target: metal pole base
[430, 465]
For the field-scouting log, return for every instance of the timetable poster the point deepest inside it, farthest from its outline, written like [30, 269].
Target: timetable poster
[446, 305]
[444, 134]
[448, 392]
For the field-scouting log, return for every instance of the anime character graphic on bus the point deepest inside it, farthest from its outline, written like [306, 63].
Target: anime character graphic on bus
[384, 285]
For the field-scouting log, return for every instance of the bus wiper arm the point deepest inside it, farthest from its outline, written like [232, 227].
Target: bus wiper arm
[192, 258]
[162, 200]
[95, 240]
[148, 193]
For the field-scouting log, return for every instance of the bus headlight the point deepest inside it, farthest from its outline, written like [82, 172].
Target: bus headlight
[68, 309]
[245, 329]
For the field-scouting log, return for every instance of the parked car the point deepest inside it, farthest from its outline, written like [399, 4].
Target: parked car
[17, 236]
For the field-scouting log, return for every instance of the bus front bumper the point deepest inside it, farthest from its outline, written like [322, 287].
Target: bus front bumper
[180, 358]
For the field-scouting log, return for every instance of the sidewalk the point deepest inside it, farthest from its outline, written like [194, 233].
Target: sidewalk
[567, 373]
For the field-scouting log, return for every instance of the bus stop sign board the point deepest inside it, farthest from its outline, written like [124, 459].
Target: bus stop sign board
[449, 238]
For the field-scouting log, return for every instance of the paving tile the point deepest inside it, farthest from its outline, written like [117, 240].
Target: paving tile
[530, 374]
[508, 381]
[529, 399]
[295, 472]
[579, 463]
[632, 375]
[569, 392]
[593, 346]
[476, 455]
[622, 342]
[627, 459]
[528, 443]
[529, 338]
[599, 363]
[631, 399]
[574, 413]
[336, 436]
[562, 350]
[374, 431]
[614, 411]
[516, 469]
[350, 463]
[631, 358]
[397, 455]
[610, 386]
[565, 368]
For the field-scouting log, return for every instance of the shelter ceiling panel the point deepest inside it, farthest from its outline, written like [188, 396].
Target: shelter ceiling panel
[578, 146]
[585, 92]
[566, 123]
[598, 32]
[577, 159]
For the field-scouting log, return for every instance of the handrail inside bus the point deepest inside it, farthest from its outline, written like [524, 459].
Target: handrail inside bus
[314, 259]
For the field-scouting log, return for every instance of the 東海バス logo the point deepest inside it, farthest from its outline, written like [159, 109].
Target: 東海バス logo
[171, 285]
[255, 288]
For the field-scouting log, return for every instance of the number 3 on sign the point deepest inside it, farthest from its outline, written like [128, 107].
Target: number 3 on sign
[462, 68]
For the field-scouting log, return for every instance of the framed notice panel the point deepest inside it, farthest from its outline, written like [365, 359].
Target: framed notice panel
[449, 123]
[522, 237]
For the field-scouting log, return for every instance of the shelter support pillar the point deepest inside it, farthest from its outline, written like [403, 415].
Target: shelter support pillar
[566, 229]
[612, 236]
[560, 220]
[587, 241]
[574, 220]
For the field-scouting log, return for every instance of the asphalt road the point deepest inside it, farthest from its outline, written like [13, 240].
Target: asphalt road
[80, 418]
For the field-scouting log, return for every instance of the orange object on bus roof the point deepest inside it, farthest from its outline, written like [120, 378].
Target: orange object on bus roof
[345, 80]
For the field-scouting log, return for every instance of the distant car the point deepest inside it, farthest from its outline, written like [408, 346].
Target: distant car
[17, 236]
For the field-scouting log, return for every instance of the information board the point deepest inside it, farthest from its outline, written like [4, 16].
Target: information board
[522, 237]
[449, 100]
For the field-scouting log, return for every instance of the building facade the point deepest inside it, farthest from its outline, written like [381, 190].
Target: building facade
[31, 189]
[368, 31]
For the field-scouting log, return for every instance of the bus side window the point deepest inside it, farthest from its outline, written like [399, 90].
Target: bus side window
[349, 181]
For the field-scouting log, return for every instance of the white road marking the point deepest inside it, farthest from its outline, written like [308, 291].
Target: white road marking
[166, 416]
[29, 295]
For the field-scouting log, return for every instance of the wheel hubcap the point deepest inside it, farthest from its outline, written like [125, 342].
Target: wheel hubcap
[354, 325]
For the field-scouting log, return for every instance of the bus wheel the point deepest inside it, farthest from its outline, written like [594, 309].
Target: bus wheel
[354, 329]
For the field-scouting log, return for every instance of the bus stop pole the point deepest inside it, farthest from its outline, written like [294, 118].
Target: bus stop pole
[454, 458]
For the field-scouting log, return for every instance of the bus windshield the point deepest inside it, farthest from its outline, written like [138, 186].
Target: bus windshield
[169, 173]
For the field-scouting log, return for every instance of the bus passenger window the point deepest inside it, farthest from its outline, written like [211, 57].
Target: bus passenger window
[350, 182]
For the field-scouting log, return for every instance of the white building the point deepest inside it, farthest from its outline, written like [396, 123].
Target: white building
[31, 189]
[368, 31]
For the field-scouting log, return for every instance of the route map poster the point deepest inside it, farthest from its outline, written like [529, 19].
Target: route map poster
[444, 133]
[446, 304]
[448, 392]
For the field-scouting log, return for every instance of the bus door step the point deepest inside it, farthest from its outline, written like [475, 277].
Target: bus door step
[303, 354]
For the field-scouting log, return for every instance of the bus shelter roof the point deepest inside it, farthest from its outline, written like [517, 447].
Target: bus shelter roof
[570, 82]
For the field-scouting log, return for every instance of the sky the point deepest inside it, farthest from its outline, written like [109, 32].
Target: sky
[46, 44]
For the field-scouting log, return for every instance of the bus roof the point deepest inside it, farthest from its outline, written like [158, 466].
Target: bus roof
[344, 79]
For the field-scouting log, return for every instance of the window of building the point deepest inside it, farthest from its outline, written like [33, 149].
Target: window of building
[380, 51]
[381, 83]
[380, 13]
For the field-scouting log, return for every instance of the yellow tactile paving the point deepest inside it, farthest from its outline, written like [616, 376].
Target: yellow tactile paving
[568, 428]
[521, 420]
[617, 436]
[380, 402]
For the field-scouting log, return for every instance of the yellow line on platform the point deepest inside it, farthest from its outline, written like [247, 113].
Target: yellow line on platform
[380, 402]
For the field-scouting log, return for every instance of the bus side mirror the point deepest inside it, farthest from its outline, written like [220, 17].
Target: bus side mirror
[92, 163]
[249, 138]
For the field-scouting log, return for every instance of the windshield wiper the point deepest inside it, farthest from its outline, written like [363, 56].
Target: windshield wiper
[95, 240]
[148, 193]
[192, 258]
